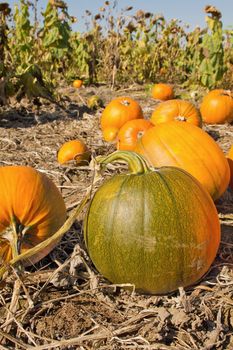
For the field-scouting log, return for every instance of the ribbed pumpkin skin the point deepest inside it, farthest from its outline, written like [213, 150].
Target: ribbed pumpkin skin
[176, 110]
[33, 199]
[190, 148]
[158, 231]
[217, 107]
[230, 162]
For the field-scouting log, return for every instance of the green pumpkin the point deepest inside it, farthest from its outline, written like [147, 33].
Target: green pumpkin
[157, 229]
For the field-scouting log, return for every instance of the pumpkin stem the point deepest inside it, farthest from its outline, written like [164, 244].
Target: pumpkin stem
[14, 242]
[227, 93]
[14, 236]
[181, 118]
[136, 163]
[125, 103]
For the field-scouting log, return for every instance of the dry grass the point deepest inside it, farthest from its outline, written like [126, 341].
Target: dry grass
[62, 302]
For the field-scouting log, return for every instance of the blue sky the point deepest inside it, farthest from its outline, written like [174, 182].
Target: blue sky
[188, 11]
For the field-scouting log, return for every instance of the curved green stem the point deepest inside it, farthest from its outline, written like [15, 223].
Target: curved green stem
[136, 163]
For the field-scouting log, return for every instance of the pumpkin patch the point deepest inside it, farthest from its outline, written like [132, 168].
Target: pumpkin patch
[116, 175]
[146, 241]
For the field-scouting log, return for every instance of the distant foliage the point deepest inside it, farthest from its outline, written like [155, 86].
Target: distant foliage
[55, 39]
[212, 65]
[116, 47]
[22, 41]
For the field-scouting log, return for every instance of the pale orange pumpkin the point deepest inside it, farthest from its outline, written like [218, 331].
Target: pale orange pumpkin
[77, 83]
[188, 147]
[116, 114]
[31, 210]
[130, 132]
[217, 107]
[176, 110]
[230, 162]
[162, 92]
[73, 150]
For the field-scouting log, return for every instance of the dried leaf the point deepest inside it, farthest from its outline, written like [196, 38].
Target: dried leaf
[163, 313]
[179, 317]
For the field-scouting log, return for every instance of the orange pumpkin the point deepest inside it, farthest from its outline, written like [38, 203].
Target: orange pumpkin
[130, 132]
[31, 210]
[116, 114]
[217, 107]
[177, 110]
[77, 83]
[73, 149]
[188, 147]
[230, 162]
[162, 92]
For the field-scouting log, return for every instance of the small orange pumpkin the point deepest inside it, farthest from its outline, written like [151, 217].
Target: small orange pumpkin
[116, 114]
[130, 132]
[31, 210]
[176, 110]
[77, 83]
[73, 149]
[162, 92]
[230, 162]
[217, 107]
